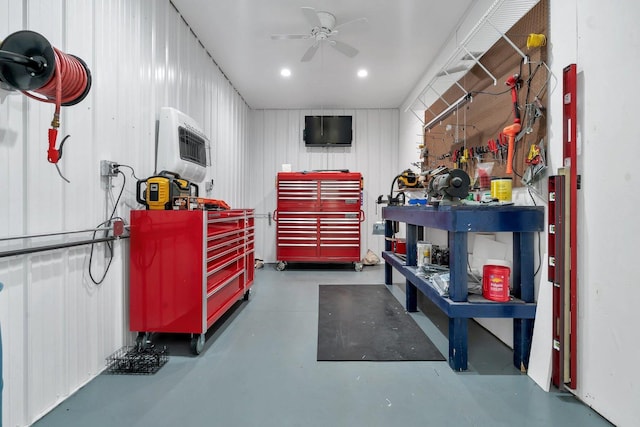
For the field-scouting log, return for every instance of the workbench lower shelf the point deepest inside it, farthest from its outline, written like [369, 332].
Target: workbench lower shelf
[459, 312]
[481, 307]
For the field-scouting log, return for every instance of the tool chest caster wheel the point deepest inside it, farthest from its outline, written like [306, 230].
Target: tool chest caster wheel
[143, 340]
[197, 344]
[247, 295]
[281, 265]
[359, 266]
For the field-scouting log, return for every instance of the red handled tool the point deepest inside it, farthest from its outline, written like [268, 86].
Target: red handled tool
[512, 130]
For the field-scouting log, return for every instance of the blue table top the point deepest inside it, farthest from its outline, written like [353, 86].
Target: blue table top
[470, 218]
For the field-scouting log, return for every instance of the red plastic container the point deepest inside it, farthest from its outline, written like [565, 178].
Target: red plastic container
[495, 282]
[400, 246]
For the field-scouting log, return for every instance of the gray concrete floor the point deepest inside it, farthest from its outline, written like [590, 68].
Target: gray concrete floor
[259, 368]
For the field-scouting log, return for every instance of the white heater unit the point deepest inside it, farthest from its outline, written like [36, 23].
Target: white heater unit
[181, 146]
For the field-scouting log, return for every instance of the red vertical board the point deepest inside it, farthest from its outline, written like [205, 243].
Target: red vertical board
[570, 141]
[559, 285]
[551, 231]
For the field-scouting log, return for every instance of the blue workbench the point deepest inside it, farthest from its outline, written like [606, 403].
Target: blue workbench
[522, 221]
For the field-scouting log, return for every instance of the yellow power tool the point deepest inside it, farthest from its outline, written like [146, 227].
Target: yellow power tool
[408, 179]
[162, 190]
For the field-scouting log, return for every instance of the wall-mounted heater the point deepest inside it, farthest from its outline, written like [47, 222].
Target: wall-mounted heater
[181, 145]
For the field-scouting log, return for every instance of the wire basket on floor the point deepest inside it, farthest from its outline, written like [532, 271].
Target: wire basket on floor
[133, 360]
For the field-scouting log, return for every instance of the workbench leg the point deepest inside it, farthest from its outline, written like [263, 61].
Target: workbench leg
[524, 268]
[388, 277]
[523, 288]
[388, 234]
[458, 343]
[458, 289]
[411, 291]
[411, 295]
[522, 336]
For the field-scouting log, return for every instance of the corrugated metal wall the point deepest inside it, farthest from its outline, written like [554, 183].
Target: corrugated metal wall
[277, 140]
[57, 325]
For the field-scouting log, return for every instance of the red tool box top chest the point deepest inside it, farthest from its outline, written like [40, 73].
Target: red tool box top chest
[318, 216]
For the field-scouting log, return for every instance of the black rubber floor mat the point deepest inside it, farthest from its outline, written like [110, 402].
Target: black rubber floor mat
[367, 323]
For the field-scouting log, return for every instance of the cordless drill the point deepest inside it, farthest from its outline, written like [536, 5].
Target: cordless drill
[512, 130]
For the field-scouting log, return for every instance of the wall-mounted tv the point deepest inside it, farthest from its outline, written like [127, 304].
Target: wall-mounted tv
[328, 131]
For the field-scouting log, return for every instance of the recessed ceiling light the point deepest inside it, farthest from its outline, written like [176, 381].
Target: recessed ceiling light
[285, 72]
[363, 73]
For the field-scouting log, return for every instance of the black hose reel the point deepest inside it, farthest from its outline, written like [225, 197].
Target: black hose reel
[28, 62]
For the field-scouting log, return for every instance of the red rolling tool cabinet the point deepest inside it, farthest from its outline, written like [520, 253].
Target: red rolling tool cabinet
[318, 217]
[187, 268]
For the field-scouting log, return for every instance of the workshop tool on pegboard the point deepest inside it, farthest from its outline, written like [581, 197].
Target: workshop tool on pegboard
[30, 64]
[536, 164]
[511, 131]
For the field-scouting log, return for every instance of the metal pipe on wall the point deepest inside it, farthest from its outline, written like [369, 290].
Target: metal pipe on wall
[58, 246]
[58, 233]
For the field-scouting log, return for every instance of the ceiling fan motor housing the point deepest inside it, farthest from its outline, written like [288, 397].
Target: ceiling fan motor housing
[327, 20]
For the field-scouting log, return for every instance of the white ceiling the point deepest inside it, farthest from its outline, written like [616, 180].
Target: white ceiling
[396, 44]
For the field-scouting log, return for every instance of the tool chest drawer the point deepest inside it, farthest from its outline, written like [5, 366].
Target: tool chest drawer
[296, 193]
[339, 236]
[318, 217]
[340, 195]
[187, 268]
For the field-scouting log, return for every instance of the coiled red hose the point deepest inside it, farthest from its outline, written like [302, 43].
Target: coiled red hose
[68, 83]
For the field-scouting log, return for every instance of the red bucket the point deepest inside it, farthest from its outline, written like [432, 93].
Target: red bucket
[495, 282]
[400, 245]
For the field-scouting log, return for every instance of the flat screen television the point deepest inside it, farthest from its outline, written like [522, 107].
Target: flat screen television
[328, 131]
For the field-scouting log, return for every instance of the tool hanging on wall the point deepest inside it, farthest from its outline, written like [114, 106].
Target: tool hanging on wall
[511, 131]
[536, 164]
[536, 40]
[30, 64]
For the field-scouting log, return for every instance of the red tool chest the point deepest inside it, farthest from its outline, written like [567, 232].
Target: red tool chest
[187, 268]
[318, 217]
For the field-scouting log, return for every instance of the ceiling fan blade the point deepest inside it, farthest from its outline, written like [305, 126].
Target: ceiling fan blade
[312, 16]
[342, 47]
[289, 36]
[353, 21]
[310, 52]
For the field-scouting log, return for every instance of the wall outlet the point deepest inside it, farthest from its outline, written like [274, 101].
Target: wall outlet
[108, 168]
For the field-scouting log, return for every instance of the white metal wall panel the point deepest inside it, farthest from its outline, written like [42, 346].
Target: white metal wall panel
[12, 298]
[276, 139]
[59, 325]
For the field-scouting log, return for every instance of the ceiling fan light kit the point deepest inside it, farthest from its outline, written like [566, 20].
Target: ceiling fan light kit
[323, 30]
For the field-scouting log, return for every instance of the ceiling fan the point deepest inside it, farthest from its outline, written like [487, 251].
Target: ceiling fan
[323, 29]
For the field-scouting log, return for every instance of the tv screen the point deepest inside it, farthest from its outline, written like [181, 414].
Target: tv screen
[327, 131]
